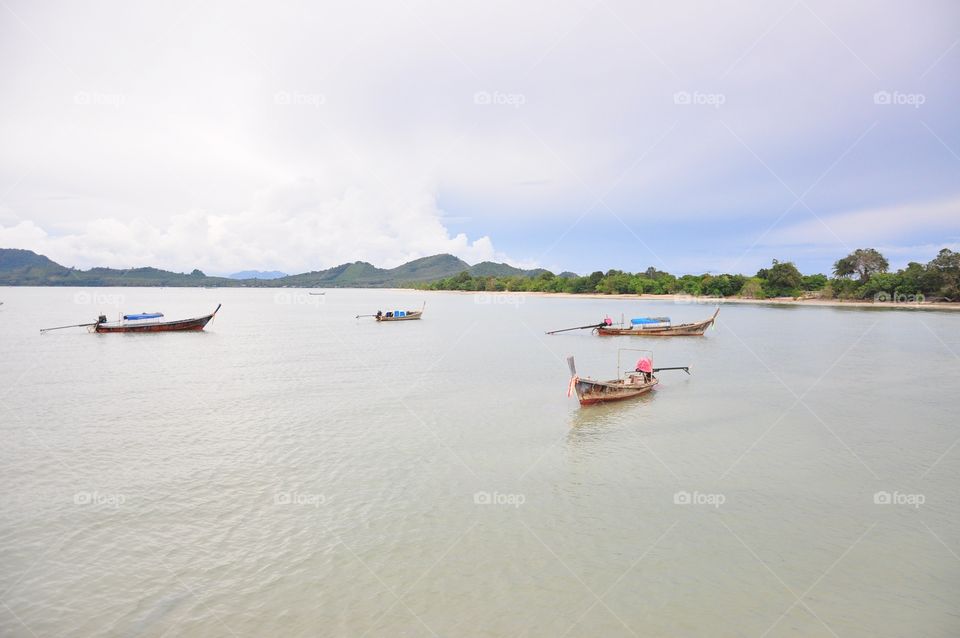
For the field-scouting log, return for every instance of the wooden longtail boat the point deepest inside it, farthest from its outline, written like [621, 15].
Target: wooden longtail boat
[398, 315]
[659, 328]
[402, 315]
[140, 323]
[144, 322]
[632, 384]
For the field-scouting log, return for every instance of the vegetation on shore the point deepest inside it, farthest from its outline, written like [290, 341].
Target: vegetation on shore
[863, 274]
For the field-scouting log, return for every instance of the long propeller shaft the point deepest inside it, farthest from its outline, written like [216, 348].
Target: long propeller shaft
[79, 325]
[592, 325]
[684, 368]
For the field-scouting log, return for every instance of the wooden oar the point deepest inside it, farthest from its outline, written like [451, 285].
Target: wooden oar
[79, 325]
[684, 368]
[593, 325]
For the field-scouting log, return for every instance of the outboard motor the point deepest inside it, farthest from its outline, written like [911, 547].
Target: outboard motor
[102, 319]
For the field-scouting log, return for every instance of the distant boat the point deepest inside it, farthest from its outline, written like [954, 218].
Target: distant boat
[658, 327]
[316, 293]
[640, 381]
[144, 322]
[397, 315]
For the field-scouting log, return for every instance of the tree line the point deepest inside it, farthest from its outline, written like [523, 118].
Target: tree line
[863, 274]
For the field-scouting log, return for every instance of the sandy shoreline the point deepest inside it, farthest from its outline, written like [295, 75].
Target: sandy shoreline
[711, 301]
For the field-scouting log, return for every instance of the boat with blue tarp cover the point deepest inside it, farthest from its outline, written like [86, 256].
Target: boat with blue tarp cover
[646, 327]
[144, 322]
[397, 315]
[656, 327]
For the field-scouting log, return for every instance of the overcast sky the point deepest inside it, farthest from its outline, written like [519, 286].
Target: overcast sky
[692, 136]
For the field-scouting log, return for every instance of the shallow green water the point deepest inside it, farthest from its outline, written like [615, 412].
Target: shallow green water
[294, 471]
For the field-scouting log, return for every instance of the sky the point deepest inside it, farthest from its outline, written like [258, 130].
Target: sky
[576, 136]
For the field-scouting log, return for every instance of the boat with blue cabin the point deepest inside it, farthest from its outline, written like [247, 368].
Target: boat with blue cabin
[143, 322]
[656, 327]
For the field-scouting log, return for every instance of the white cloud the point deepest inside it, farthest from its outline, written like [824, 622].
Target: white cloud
[876, 225]
[294, 228]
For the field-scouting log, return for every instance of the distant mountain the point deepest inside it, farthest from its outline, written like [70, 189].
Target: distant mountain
[22, 260]
[26, 268]
[258, 274]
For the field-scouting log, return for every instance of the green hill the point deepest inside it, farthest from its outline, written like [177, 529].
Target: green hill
[429, 268]
[27, 268]
[360, 274]
[17, 259]
[491, 269]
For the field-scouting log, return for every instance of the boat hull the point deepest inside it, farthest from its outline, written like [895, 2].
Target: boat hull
[410, 316]
[593, 392]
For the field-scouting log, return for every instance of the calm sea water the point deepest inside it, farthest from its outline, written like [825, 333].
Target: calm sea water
[293, 471]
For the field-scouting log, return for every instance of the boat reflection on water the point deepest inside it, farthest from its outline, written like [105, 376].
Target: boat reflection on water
[604, 416]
